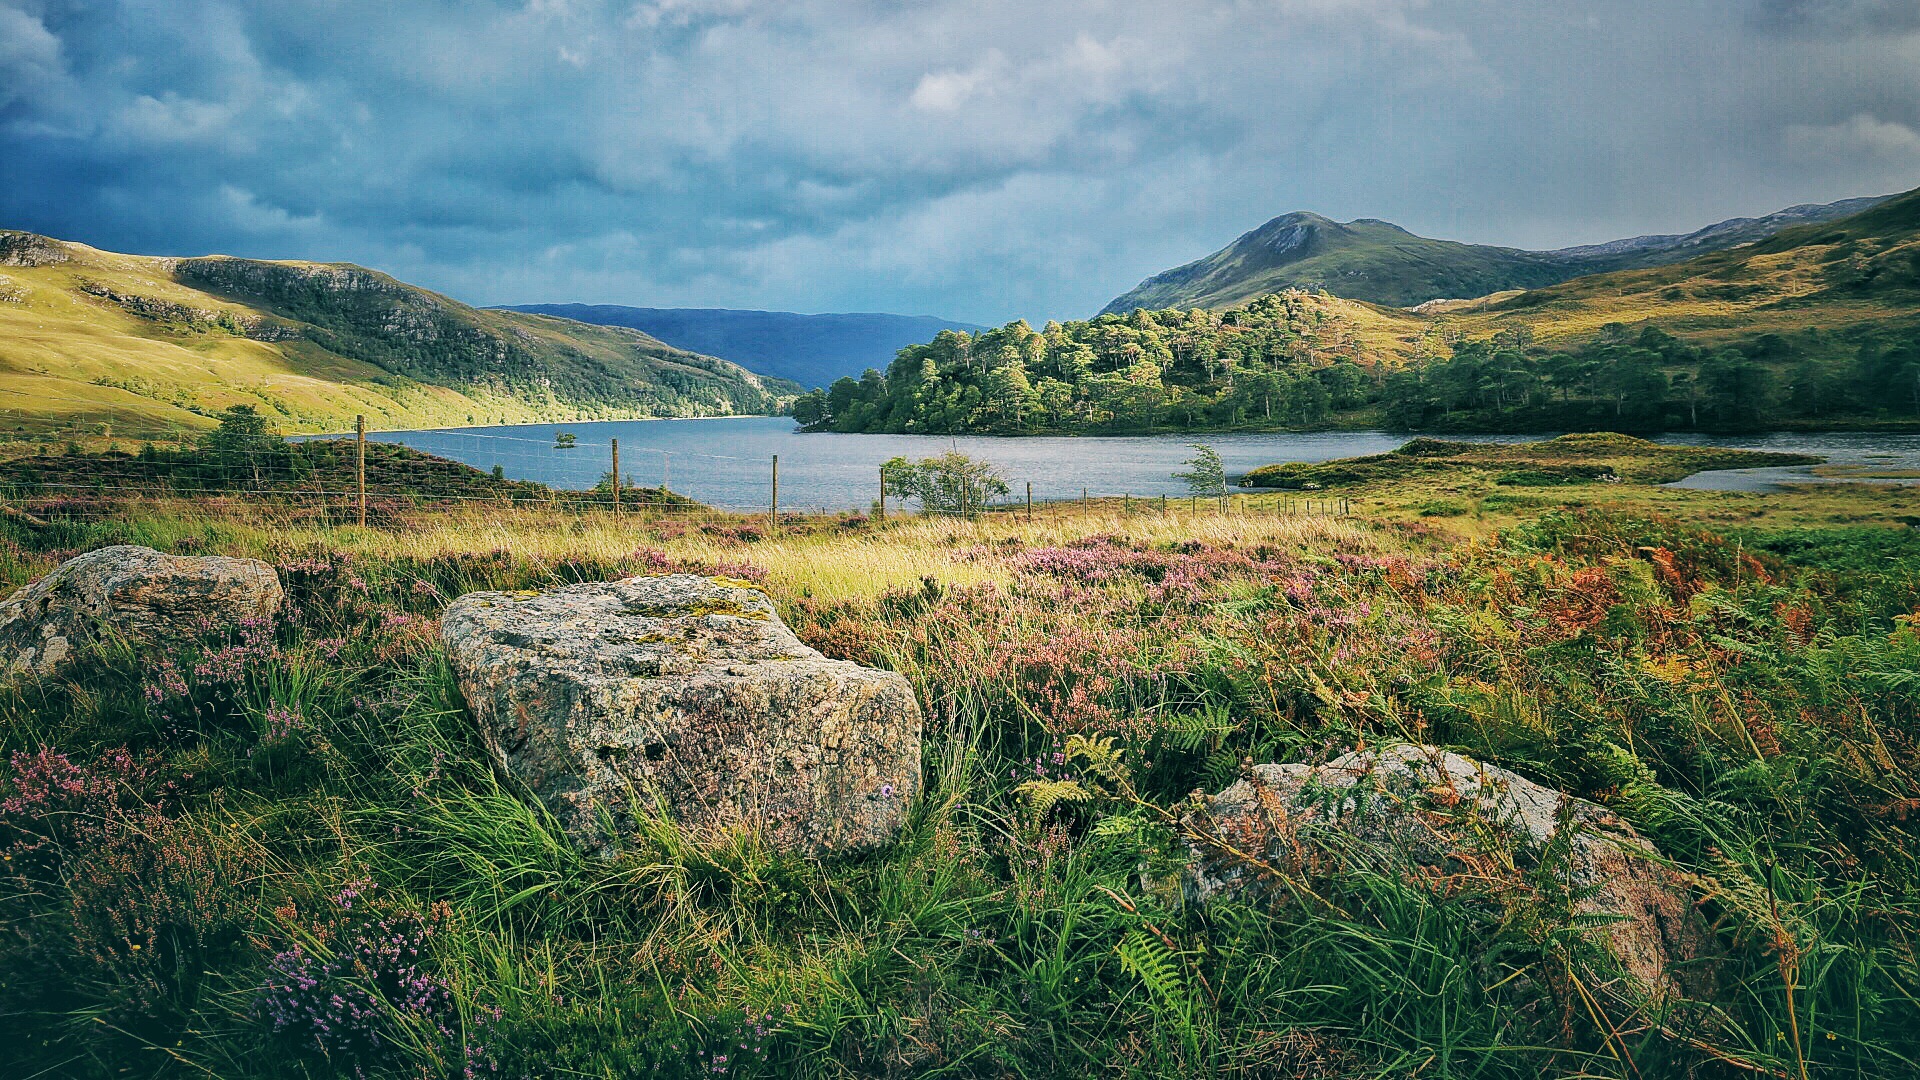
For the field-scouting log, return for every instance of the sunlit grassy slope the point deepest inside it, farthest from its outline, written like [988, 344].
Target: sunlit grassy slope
[1857, 272]
[91, 340]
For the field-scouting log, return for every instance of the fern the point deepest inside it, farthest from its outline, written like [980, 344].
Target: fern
[1221, 769]
[1119, 827]
[1192, 731]
[1149, 960]
[1102, 757]
[1042, 795]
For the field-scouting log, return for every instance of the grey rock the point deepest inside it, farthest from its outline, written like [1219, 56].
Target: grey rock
[132, 591]
[1439, 814]
[30, 250]
[687, 697]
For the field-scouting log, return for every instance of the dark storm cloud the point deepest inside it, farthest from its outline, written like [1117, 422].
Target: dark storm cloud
[1839, 16]
[974, 158]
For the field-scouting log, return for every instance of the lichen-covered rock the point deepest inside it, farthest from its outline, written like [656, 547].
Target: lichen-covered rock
[1442, 816]
[685, 696]
[132, 591]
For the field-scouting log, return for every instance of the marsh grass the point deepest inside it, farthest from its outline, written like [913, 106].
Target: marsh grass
[1747, 702]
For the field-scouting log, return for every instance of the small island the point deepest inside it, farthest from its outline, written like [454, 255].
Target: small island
[1587, 458]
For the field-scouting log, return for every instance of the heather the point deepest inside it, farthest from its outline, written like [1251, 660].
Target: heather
[279, 851]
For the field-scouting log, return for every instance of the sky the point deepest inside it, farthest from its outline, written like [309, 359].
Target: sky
[974, 159]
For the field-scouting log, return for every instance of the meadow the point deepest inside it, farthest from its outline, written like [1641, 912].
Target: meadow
[280, 852]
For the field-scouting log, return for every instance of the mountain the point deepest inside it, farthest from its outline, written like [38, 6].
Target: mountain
[1382, 263]
[141, 345]
[1716, 237]
[1841, 281]
[812, 350]
[1817, 324]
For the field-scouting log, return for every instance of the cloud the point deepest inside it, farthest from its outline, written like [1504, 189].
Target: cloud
[1860, 135]
[977, 159]
[1838, 16]
[31, 68]
[947, 91]
[247, 211]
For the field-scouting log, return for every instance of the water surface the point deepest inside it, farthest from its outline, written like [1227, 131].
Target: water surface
[728, 462]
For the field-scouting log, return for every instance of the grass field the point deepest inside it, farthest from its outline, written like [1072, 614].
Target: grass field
[280, 852]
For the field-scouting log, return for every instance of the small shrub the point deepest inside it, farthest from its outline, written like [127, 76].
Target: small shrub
[358, 984]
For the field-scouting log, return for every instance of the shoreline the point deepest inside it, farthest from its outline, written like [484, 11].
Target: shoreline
[535, 423]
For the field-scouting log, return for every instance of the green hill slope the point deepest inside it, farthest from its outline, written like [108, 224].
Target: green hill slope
[1850, 280]
[1817, 326]
[1379, 262]
[93, 342]
[812, 350]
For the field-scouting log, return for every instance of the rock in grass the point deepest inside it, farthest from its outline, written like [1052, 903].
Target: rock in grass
[131, 591]
[1456, 825]
[686, 697]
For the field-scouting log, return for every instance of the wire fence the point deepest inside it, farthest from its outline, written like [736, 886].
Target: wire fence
[366, 478]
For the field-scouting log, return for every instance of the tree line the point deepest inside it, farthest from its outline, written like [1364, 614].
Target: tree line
[1647, 379]
[1284, 359]
[1292, 360]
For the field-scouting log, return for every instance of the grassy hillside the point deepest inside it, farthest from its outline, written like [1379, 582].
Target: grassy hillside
[1861, 273]
[95, 342]
[812, 350]
[1379, 262]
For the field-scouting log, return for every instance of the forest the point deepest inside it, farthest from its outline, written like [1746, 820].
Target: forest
[1292, 360]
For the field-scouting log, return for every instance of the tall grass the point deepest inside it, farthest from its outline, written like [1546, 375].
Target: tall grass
[1754, 716]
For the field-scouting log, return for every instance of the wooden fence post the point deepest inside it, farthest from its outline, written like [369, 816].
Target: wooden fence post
[1029, 502]
[360, 466]
[775, 516]
[883, 494]
[616, 474]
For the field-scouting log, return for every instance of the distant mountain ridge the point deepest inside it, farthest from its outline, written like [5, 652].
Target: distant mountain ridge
[812, 350]
[1723, 234]
[1380, 262]
[94, 340]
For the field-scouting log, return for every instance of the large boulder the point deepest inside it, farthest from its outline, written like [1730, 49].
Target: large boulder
[1444, 818]
[131, 591]
[686, 697]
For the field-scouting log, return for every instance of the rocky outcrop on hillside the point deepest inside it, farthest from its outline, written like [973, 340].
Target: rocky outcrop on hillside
[685, 697]
[131, 592]
[316, 290]
[1448, 821]
[30, 249]
[182, 316]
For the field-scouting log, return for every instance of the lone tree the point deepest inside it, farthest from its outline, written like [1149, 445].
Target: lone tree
[1206, 474]
[952, 483]
[243, 448]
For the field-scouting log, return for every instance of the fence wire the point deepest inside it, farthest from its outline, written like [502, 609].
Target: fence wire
[321, 477]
